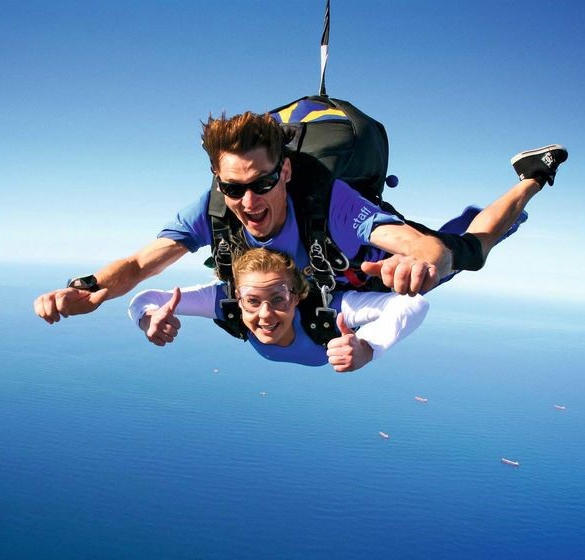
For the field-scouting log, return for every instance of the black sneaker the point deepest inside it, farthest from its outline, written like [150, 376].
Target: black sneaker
[540, 164]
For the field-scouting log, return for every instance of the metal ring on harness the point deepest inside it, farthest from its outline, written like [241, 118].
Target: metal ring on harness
[322, 271]
[318, 259]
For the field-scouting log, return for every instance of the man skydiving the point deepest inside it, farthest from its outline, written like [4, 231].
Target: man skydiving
[252, 168]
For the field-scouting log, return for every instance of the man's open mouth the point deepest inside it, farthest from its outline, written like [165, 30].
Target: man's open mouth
[256, 217]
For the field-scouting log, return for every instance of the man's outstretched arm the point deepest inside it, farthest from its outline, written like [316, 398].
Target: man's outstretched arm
[114, 280]
[418, 263]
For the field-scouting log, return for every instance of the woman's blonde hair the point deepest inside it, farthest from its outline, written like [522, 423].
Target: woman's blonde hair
[263, 260]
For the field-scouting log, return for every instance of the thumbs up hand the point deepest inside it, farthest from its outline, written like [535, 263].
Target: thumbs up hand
[343, 328]
[348, 352]
[160, 325]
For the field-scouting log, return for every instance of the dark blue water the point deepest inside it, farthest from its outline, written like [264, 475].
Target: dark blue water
[113, 448]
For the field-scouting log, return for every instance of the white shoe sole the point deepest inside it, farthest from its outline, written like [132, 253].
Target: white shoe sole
[536, 152]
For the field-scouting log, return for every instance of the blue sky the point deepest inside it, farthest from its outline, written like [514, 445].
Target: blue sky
[101, 103]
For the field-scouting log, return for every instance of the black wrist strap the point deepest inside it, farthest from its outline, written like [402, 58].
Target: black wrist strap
[87, 283]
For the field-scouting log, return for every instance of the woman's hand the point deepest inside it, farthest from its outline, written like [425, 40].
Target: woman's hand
[160, 325]
[348, 352]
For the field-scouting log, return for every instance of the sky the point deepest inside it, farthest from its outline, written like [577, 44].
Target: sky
[102, 103]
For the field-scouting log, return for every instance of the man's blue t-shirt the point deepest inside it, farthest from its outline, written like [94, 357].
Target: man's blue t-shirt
[351, 221]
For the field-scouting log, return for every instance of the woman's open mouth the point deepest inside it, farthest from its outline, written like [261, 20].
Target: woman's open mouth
[268, 329]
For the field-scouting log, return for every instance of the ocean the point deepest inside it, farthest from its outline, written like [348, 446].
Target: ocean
[112, 448]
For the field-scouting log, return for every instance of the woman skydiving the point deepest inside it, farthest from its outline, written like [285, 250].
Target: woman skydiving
[269, 290]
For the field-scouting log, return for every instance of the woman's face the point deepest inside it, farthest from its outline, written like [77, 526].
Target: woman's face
[268, 306]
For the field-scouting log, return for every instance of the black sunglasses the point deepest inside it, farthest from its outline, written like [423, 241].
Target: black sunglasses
[262, 185]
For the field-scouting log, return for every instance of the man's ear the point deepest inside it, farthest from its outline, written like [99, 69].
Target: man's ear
[286, 170]
[215, 180]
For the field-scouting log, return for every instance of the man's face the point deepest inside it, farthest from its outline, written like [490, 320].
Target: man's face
[263, 215]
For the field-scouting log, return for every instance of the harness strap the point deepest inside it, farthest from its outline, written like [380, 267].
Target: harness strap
[232, 322]
[317, 318]
[223, 236]
[310, 189]
[353, 278]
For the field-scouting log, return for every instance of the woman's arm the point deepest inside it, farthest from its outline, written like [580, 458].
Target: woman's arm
[384, 318]
[195, 300]
[153, 311]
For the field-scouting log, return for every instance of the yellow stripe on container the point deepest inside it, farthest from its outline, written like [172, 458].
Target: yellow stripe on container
[287, 111]
[314, 115]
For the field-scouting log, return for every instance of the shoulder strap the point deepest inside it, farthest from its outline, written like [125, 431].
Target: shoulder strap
[227, 236]
[310, 189]
[217, 205]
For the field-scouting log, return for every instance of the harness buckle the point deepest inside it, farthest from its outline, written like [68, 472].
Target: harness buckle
[325, 312]
[223, 255]
[223, 259]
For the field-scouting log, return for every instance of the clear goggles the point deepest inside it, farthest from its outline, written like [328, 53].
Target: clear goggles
[278, 297]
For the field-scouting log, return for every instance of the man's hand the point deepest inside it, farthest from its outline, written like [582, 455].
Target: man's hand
[418, 260]
[161, 326]
[348, 352]
[405, 275]
[116, 279]
[68, 301]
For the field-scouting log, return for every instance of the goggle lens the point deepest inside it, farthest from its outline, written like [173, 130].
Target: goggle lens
[277, 297]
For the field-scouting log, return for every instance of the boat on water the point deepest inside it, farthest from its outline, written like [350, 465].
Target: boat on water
[384, 435]
[560, 407]
[510, 462]
[421, 399]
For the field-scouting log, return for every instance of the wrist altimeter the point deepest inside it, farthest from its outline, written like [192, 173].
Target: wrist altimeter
[87, 283]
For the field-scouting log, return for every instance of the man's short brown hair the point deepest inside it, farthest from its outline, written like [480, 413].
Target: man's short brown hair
[240, 134]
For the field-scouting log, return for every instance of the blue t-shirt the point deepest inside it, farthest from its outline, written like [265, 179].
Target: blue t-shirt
[302, 350]
[351, 221]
